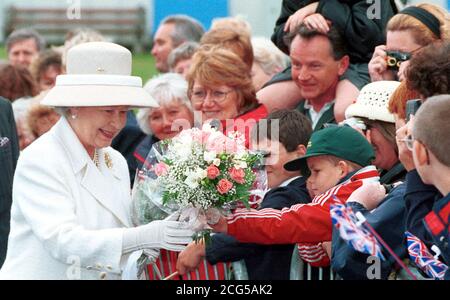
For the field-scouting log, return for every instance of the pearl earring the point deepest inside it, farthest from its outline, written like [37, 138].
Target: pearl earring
[74, 117]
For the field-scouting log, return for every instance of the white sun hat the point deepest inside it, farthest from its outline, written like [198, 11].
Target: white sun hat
[98, 74]
[373, 101]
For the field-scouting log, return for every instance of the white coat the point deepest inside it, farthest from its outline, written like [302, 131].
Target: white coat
[67, 215]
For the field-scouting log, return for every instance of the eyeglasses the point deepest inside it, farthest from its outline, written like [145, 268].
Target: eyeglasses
[198, 96]
[409, 141]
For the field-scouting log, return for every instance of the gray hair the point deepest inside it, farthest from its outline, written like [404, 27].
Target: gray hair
[186, 29]
[164, 89]
[19, 35]
[268, 56]
[182, 52]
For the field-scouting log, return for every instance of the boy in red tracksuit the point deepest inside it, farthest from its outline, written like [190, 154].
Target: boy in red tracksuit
[339, 159]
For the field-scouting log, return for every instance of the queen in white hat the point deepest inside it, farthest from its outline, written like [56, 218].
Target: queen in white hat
[70, 217]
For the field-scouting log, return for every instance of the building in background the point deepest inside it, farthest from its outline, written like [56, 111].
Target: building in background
[261, 14]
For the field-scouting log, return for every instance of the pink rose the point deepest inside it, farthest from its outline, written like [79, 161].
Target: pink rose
[224, 186]
[237, 175]
[212, 172]
[161, 169]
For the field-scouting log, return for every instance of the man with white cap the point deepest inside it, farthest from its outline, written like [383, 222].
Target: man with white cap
[70, 216]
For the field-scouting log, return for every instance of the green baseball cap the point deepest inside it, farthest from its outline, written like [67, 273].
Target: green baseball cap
[340, 141]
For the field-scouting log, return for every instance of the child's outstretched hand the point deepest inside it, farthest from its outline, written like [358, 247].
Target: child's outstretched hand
[191, 257]
[370, 194]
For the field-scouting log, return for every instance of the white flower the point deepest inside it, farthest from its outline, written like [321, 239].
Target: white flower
[240, 155]
[240, 164]
[209, 156]
[200, 173]
[207, 128]
[216, 162]
[191, 181]
[182, 151]
[194, 177]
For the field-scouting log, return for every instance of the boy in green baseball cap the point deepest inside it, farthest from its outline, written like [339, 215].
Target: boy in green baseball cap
[331, 154]
[338, 159]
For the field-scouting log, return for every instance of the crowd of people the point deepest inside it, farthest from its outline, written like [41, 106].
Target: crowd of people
[361, 106]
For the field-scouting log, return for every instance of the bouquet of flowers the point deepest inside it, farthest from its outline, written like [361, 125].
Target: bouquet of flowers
[198, 172]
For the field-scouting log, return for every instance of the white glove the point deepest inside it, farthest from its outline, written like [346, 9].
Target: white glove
[170, 235]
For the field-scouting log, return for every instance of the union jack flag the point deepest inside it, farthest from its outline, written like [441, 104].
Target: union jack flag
[418, 252]
[350, 229]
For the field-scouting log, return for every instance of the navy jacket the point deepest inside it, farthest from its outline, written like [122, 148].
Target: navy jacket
[395, 174]
[143, 149]
[350, 18]
[127, 140]
[9, 153]
[419, 200]
[263, 262]
[388, 219]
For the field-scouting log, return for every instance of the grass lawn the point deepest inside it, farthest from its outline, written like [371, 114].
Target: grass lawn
[143, 64]
[2, 53]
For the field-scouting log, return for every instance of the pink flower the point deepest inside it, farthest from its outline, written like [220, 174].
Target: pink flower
[237, 175]
[231, 146]
[161, 169]
[216, 142]
[212, 172]
[224, 186]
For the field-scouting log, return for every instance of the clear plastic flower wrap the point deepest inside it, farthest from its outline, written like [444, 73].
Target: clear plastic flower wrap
[201, 173]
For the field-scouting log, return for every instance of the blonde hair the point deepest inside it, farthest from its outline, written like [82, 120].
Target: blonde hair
[231, 39]
[422, 34]
[218, 66]
[37, 112]
[236, 23]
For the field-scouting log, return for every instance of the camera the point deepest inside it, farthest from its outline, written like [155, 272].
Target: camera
[411, 108]
[395, 58]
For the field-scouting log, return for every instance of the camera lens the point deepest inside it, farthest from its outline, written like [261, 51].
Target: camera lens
[391, 61]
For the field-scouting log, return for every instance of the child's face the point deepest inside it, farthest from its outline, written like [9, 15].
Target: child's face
[324, 174]
[277, 157]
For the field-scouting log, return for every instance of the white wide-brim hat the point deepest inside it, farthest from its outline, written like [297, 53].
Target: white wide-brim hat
[373, 102]
[98, 74]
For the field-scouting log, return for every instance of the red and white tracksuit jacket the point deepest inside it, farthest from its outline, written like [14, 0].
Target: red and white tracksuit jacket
[306, 224]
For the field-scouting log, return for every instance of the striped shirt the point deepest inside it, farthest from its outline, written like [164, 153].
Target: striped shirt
[305, 224]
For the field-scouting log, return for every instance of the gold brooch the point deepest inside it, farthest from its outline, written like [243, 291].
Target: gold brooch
[106, 157]
[108, 161]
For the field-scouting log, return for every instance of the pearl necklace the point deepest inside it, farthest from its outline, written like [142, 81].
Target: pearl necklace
[96, 159]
